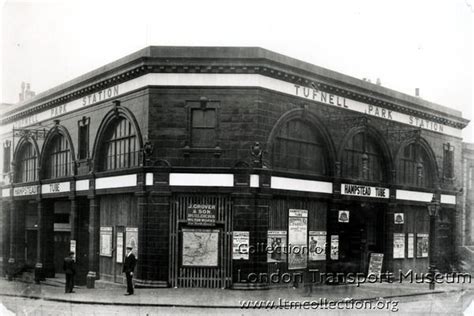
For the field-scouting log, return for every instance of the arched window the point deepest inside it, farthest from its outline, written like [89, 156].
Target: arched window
[120, 146]
[414, 168]
[297, 147]
[362, 159]
[58, 158]
[27, 163]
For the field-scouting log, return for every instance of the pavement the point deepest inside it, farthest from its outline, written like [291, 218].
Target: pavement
[113, 294]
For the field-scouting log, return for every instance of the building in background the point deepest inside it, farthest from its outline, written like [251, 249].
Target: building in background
[201, 157]
[468, 205]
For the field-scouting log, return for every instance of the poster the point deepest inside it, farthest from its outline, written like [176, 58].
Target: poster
[240, 245]
[201, 214]
[343, 216]
[297, 239]
[411, 245]
[200, 247]
[317, 245]
[106, 241]
[119, 246]
[276, 245]
[399, 218]
[72, 248]
[375, 264]
[334, 247]
[131, 236]
[422, 246]
[398, 245]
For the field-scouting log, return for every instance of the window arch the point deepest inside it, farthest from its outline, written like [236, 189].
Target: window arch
[362, 158]
[27, 163]
[298, 147]
[120, 147]
[58, 161]
[414, 167]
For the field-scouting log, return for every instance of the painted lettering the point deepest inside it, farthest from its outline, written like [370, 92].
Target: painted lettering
[297, 87]
[331, 99]
[306, 92]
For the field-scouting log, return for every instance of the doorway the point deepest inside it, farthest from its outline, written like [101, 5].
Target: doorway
[360, 236]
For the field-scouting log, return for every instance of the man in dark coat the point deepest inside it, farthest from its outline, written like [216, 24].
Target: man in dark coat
[128, 267]
[70, 269]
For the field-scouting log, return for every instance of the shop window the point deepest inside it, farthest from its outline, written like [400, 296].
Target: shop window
[362, 159]
[297, 147]
[448, 161]
[203, 124]
[7, 146]
[414, 168]
[120, 148]
[83, 141]
[27, 163]
[58, 161]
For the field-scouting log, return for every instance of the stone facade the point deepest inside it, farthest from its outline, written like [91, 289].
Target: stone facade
[250, 164]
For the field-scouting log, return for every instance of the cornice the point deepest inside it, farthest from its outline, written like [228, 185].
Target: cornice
[258, 66]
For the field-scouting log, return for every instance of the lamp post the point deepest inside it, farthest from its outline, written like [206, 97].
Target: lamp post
[433, 209]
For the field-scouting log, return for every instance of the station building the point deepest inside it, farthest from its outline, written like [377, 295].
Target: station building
[223, 165]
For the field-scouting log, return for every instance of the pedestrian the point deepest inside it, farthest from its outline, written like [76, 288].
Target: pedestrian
[70, 270]
[128, 267]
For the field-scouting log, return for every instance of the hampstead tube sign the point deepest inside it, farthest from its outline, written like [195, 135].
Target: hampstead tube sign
[363, 190]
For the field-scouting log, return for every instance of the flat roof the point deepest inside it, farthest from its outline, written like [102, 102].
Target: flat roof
[257, 55]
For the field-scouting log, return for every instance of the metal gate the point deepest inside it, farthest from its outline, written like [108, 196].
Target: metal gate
[201, 277]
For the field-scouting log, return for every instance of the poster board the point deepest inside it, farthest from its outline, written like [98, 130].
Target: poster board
[297, 239]
[201, 214]
[334, 247]
[72, 248]
[276, 245]
[317, 245]
[375, 264]
[131, 239]
[240, 245]
[398, 245]
[119, 247]
[200, 247]
[106, 241]
[422, 245]
[411, 245]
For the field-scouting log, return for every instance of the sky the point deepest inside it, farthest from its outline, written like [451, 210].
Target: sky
[407, 44]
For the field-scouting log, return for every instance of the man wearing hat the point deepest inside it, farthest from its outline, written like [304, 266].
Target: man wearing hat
[128, 267]
[70, 270]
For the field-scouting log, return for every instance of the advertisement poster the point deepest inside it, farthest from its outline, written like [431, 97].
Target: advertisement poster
[399, 218]
[398, 245]
[343, 216]
[422, 246]
[200, 247]
[72, 247]
[240, 245]
[411, 245]
[276, 243]
[317, 245]
[201, 214]
[375, 264]
[119, 243]
[334, 247]
[131, 236]
[106, 241]
[297, 239]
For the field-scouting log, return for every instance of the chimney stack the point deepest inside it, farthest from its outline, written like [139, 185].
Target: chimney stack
[417, 92]
[26, 93]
